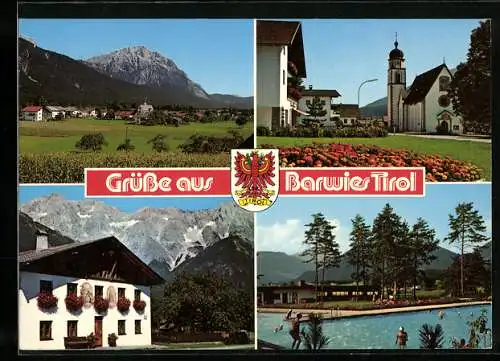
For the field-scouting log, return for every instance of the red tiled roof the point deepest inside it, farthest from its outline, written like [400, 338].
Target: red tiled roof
[32, 109]
[125, 113]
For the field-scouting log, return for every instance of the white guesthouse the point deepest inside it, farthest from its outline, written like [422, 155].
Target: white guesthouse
[94, 270]
[425, 105]
[326, 96]
[279, 44]
[32, 113]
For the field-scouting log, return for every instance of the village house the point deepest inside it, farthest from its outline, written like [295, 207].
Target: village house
[143, 112]
[279, 48]
[124, 114]
[348, 114]
[424, 107]
[33, 113]
[301, 292]
[55, 111]
[70, 291]
[327, 96]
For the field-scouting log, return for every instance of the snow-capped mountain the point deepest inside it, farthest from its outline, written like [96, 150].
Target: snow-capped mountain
[141, 66]
[162, 236]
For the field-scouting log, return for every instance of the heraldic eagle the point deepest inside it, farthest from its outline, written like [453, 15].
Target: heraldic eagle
[254, 173]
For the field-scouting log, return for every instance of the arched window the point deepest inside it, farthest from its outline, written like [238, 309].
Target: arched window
[444, 83]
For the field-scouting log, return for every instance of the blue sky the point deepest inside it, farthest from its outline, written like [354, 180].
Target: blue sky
[281, 227]
[217, 54]
[76, 193]
[340, 54]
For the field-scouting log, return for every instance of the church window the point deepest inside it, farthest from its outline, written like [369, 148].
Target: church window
[444, 83]
[444, 101]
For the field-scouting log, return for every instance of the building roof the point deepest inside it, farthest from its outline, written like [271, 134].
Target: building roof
[320, 93]
[54, 255]
[125, 113]
[422, 84]
[32, 109]
[348, 110]
[289, 33]
[53, 108]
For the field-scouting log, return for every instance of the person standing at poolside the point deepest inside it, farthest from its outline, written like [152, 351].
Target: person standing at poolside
[401, 338]
[295, 332]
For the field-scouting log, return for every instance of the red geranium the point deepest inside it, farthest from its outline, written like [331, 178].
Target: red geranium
[46, 300]
[101, 304]
[123, 304]
[139, 305]
[73, 302]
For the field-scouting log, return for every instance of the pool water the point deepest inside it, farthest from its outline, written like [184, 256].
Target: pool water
[378, 332]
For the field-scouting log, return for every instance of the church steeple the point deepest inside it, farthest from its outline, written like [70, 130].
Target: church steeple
[396, 41]
[396, 85]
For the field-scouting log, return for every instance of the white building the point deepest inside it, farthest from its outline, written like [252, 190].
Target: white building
[349, 114]
[325, 96]
[105, 268]
[425, 106]
[32, 113]
[55, 111]
[279, 47]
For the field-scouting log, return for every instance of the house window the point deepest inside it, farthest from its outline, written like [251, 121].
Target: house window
[456, 127]
[72, 288]
[72, 328]
[121, 327]
[99, 291]
[284, 82]
[121, 292]
[444, 101]
[138, 327]
[45, 330]
[46, 286]
[444, 83]
[137, 295]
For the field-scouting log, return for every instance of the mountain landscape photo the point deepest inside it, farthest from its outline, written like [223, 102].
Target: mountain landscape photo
[170, 240]
[127, 75]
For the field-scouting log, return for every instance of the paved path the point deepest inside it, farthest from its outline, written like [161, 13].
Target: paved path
[333, 314]
[450, 137]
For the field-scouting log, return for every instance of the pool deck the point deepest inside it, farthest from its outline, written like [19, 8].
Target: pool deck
[330, 314]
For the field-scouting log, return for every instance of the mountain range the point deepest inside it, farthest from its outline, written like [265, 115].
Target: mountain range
[169, 240]
[128, 75]
[279, 267]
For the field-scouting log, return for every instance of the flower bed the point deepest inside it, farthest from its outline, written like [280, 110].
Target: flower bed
[46, 301]
[73, 302]
[371, 131]
[438, 169]
[139, 305]
[123, 304]
[101, 304]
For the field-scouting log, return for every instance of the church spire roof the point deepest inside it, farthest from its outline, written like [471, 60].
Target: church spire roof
[396, 53]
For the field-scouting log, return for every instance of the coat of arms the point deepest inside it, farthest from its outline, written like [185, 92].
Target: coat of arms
[254, 178]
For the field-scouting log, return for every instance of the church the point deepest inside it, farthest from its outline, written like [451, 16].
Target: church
[425, 106]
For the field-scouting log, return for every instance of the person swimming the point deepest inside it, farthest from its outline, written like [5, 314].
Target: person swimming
[401, 338]
[441, 314]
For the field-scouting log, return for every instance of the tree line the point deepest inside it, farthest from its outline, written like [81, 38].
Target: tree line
[391, 252]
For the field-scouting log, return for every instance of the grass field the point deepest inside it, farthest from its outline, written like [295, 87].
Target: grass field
[477, 153]
[61, 136]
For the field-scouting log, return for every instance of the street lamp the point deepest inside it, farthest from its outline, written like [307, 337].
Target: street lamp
[363, 83]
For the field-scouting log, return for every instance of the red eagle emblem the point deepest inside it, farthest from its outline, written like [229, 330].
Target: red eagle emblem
[254, 173]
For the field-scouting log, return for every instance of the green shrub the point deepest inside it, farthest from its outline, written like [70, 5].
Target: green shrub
[263, 131]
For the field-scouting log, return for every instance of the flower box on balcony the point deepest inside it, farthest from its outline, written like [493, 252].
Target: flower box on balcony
[123, 304]
[101, 304]
[46, 300]
[73, 302]
[139, 305]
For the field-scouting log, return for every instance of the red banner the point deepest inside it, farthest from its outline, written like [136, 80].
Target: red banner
[210, 182]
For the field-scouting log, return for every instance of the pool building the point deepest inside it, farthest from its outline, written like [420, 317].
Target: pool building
[301, 292]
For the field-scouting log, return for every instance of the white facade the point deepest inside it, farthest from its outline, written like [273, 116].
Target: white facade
[33, 116]
[326, 119]
[272, 81]
[30, 316]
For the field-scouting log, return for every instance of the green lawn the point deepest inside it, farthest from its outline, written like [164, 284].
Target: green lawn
[477, 153]
[61, 136]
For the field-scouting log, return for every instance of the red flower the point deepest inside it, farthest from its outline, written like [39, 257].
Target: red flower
[73, 302]
[123, 304]
[46, 300]
[101, 304]
[139, 305]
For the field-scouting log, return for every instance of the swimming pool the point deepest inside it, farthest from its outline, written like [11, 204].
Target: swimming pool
[377, 332]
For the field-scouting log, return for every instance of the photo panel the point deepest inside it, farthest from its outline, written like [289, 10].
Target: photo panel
[384, 93]
[112, 93]
[143, 273]
[377, 272]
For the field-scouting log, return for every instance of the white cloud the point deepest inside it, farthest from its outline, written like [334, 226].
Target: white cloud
[287, 236]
